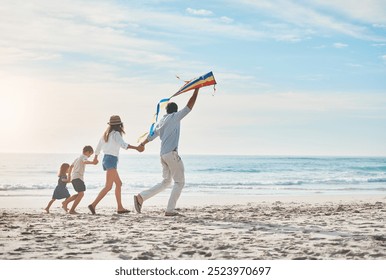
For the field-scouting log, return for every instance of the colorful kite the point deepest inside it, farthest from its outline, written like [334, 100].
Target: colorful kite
[202, 81]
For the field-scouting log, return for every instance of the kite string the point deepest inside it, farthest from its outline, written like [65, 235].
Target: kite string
[178, 77]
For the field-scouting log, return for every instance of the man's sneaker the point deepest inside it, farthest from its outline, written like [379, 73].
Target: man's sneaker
[171, 214]
[137, 205]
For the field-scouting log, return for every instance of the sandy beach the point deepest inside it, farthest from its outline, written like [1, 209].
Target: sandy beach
[271, 228]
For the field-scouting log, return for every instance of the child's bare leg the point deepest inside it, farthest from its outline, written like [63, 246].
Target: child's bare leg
[78, 198]
[49, 205]
[67, 201]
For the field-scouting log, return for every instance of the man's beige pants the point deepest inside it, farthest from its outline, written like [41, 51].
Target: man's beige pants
[172, 168]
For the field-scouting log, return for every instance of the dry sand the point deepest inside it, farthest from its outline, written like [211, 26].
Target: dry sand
[270, 229]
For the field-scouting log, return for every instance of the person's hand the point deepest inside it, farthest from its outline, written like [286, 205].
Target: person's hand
[140, 148]
[95, 161]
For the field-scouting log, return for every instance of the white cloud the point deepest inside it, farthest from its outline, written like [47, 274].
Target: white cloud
[105, 32]
[310, 16]
[226, 19]
[355, 65]
[41, 29]
[312, 77]
[383, 57]
[285, 32]
[340, 45]
[379, 25]
[9, 55]
[200, 12]
[369, 11]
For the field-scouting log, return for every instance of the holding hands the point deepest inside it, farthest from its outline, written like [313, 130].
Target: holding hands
[140, 148]
[95, 161]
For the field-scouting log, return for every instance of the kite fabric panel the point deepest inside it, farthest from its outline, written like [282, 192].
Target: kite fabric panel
[202, 81]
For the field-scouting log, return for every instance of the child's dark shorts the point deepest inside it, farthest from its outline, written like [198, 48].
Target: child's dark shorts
[79, 185]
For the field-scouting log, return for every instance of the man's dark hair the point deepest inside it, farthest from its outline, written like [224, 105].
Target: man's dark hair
[171, 108]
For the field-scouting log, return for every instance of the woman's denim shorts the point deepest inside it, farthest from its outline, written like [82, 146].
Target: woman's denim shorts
[109, 162]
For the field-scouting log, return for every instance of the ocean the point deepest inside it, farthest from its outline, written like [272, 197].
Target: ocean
[36, 174]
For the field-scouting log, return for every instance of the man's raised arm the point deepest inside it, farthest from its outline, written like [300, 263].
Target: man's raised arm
[192, 99]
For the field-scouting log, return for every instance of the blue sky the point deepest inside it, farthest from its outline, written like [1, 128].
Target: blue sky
[294, 77]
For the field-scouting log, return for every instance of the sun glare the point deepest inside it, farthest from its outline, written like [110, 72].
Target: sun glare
[13, 107]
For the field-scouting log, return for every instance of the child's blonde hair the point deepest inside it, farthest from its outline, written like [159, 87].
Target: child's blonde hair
[63, 169]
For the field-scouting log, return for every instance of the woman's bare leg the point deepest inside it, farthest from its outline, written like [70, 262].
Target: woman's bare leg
[108, 186]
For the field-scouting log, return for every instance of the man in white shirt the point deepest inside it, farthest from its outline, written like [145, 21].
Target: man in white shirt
[168, 129]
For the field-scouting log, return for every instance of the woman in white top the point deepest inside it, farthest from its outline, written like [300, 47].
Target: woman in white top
[110, 143]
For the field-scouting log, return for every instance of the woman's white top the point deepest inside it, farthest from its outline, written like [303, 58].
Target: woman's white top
[112, 146]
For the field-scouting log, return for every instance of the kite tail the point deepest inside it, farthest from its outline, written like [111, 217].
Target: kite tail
[142, 137]
[155, 120]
